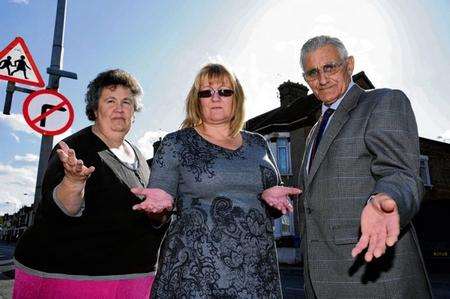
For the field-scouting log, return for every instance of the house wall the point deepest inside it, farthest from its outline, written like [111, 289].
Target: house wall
[433, 219]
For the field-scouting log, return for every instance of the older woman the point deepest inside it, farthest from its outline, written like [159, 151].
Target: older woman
[86, 241]
[220, 180]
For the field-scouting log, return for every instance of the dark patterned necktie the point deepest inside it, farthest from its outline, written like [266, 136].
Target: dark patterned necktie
[323, 125]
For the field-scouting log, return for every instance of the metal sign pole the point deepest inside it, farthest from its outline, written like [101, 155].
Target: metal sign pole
[8, 98]
[55, 73]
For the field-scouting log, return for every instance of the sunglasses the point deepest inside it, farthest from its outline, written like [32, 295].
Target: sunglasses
[208, 93]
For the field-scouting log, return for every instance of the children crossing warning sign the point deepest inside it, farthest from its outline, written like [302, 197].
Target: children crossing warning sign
[17, 64]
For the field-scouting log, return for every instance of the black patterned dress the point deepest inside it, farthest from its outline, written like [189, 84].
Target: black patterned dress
[220, 243]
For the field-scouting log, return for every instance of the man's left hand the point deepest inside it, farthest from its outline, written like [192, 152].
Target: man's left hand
[380, 227]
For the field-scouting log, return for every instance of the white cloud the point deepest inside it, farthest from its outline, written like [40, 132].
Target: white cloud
[216, 59]
[17, 123]
[446, 134]
[145, 142]
[18, 185]
[15, 137]
[27, 158]
[25, 2]
[324, 18]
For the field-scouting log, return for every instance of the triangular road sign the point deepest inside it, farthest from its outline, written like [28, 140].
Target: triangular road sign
[17, 64]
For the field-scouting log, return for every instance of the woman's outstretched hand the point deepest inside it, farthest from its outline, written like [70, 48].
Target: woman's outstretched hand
[156, 200]
[278, 197]
[74, 169]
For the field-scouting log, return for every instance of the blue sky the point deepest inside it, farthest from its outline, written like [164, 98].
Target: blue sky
[401, 44]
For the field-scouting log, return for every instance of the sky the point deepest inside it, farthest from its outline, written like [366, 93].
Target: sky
[403, 44]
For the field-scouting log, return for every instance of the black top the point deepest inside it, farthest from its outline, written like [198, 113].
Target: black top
[109, 238]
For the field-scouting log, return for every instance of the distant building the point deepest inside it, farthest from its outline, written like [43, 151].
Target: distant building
[14, 225]
[433, 220]
[286, 129]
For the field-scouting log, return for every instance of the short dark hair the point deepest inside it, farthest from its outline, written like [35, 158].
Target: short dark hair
[111, 78]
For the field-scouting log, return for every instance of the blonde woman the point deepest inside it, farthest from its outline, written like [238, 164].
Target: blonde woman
[221, 182]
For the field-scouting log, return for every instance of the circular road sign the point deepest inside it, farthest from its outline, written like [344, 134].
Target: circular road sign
[48, 112]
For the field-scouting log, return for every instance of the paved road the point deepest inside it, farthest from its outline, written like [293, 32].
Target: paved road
[6, 265]
[6, 273]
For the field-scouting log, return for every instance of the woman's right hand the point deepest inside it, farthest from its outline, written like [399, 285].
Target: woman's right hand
[74, 168]
[156, 200]
[70, 191]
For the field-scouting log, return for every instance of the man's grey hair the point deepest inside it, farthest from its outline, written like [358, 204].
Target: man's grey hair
[111, 78]
[320, 41]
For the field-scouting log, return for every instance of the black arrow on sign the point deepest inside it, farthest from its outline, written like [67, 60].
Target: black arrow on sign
[46, 107]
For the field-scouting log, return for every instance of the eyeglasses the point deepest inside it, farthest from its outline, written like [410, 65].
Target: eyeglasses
[327, 69]
[209, 93]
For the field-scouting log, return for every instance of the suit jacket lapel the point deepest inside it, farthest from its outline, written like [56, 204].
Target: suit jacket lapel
[340, 117]
[303, 173]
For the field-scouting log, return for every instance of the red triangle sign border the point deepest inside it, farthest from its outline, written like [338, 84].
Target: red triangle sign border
[18, 40]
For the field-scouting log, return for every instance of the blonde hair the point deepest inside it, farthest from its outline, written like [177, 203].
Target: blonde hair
[215, 72]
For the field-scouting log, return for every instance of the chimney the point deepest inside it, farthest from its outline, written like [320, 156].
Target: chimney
[290, 92]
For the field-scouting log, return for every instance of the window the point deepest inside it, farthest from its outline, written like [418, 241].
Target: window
[284, 226]
[424, 171]
[279, 145]
[283, 155]
[287, 224]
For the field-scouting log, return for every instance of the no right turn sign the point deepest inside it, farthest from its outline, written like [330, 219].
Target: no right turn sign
[48, 112]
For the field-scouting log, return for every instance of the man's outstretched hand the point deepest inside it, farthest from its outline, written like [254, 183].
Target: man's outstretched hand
[380, 227]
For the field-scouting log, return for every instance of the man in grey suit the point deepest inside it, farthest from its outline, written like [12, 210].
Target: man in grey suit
[361, 185]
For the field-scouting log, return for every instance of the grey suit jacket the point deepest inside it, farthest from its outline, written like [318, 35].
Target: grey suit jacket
[371, 145]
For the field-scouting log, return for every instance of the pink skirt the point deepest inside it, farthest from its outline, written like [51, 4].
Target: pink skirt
[28, 286]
